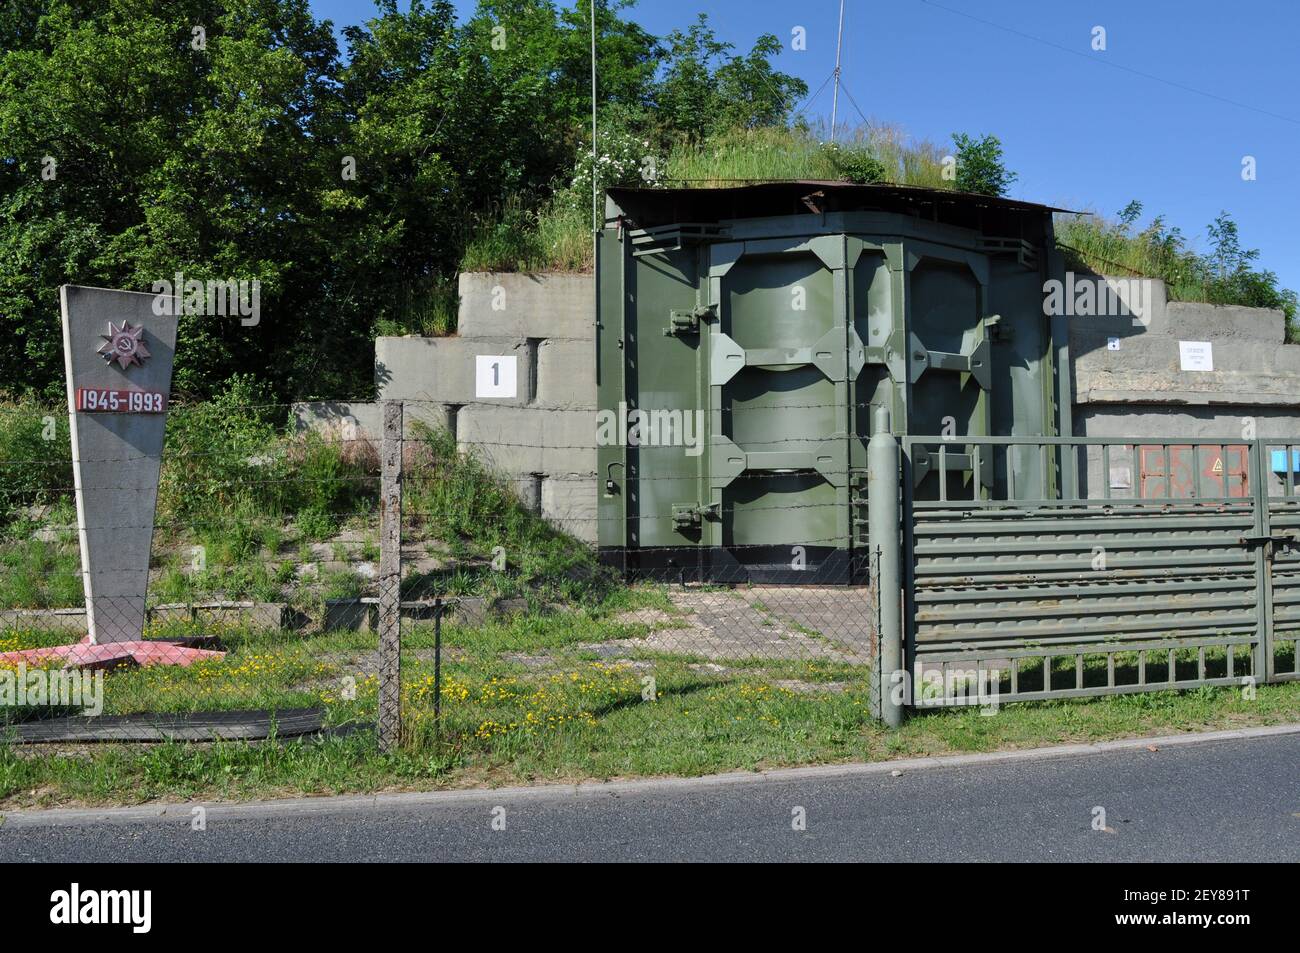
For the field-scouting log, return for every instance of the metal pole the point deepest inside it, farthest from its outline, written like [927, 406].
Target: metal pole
[437, 668]
[595, 187]
[390, 579]
[835, 96]
[883, 518]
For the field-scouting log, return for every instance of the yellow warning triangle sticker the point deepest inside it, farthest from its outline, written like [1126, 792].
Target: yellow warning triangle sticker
[1218, 465]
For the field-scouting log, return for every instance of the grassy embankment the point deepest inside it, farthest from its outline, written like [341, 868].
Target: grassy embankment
[556, 236]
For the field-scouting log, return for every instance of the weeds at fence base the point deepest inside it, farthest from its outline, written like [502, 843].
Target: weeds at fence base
[697, 727]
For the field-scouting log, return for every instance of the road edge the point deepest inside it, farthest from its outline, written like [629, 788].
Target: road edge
[301, 806]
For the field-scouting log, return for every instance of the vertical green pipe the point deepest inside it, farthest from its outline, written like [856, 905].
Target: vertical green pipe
[882, 501]
[1257, 477]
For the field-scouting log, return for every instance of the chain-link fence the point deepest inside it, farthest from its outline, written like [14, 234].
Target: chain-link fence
[263, 560]
[515, 630]
[288, 565]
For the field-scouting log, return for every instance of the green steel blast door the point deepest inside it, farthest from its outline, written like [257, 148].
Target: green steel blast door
[755, 356]
[743, 359]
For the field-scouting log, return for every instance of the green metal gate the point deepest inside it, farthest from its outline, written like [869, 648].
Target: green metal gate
[1116, 584]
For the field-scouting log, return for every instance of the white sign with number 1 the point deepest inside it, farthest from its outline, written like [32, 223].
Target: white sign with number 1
[495, 375]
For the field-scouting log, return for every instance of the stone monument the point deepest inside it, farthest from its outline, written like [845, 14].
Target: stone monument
[118, 350]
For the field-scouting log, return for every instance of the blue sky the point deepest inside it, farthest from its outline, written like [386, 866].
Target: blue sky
[1084, 129]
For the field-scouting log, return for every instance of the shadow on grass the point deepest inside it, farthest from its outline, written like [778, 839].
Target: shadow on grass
[680, 691]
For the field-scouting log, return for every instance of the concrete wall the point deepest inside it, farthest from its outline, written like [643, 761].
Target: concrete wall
[1140, 389]
[542, 438]
[1251, 365]
[361, 420]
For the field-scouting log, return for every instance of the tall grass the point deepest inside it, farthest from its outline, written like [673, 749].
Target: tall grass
[556, 235]
[456, 498]
[35, 456]
[1107, 247]
[747, 155]
[778, 154]
[907, 161]
[426, 305]
[1226, 275]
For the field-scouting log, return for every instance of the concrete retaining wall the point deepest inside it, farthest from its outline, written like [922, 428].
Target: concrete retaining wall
[540, 435]
[1251, 365]
[254, 615]
[1137, 386]
[361, 420]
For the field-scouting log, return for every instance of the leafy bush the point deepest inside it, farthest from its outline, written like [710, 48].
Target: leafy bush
[226, 465]
[622, 159]
[980, 167]
[218, 456]
[855, 164]
[35, 456]
[328, 476]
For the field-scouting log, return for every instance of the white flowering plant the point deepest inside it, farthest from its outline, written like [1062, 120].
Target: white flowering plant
[622, 158]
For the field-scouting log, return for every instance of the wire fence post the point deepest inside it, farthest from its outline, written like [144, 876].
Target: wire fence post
[437, 669]
[390, 579]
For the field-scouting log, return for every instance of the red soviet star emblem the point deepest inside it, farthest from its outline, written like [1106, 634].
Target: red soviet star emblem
[124, 345]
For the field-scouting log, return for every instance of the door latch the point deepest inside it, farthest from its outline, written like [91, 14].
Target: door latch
[682, 321]
[1270, 543]
[692, 515]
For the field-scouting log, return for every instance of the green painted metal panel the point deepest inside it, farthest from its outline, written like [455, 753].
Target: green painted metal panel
[1190, 590]
[784, 314]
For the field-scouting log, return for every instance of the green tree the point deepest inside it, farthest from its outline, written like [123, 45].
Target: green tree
[346, 190]
[135, 155]
[134, 146]
[705, 89]
[980, 167]
[550, 48]
[1231, 274]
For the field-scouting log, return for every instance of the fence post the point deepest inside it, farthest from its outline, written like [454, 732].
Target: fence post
[883, 478]
[390, 579]
[1262, 669]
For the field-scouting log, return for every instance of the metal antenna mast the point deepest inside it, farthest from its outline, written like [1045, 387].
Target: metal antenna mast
[835, 96]
[595, 188]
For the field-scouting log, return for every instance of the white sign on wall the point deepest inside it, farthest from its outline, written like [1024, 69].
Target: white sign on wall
[1195, 356]
[1112, 344]
[495, 375]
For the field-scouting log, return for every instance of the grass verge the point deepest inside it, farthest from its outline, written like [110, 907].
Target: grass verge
[508, 720]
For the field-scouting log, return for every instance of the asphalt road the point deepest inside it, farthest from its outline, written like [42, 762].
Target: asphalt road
[1224, 800]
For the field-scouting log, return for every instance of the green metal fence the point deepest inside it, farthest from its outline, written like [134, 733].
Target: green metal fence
[1124, 565]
